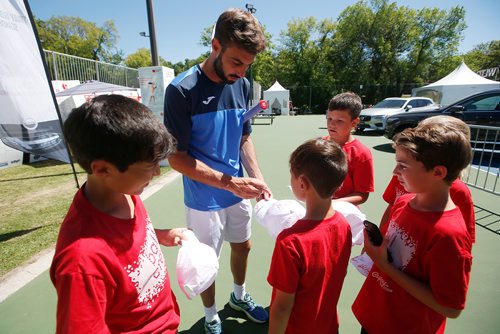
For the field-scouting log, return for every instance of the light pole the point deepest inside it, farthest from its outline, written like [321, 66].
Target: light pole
[152, 33]
[251, 9]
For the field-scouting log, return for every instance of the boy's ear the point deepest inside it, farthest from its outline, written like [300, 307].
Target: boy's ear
[101, 168]
[355, 121]
[440, 172]
[304, 182]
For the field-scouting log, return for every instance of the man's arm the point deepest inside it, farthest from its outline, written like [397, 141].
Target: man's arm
[243, 187]
[280, 312]
[249, 161]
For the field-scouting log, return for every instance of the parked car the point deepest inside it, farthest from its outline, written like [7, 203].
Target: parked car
[374, 118]
[478, 109]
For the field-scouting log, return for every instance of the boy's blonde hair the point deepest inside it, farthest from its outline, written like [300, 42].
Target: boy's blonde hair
[449, 122]
[438, 143]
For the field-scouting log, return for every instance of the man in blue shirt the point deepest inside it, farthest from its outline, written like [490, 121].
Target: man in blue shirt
[204, 109]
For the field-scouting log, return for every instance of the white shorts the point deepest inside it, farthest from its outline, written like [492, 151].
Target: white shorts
[232, 224]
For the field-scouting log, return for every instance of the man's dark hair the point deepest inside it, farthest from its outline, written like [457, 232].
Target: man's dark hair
[117, 129]
[347, 101]
[322, 162]
[240, 28]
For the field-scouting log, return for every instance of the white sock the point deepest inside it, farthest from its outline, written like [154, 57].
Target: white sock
[239, 291]
[211, 313]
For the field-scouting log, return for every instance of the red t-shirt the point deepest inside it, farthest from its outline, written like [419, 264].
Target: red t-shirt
[359, 176]
[110, 274]
[432, 247]
[310, 260]
[459, 193]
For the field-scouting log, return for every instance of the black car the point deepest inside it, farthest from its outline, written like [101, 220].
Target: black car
[478, 109]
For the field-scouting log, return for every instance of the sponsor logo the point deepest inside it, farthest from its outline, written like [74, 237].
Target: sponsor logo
[207, 101]
[381, 281]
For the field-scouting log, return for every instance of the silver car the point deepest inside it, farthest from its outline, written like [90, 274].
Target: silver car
[374, 118]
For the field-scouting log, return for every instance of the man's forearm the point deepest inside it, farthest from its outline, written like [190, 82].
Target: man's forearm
[249, 158]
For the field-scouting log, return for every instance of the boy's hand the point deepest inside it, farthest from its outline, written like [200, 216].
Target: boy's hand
[377, 254]
[170, 237]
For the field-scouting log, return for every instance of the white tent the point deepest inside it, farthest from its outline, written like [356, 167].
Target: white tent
[460, 83]
[278, 99]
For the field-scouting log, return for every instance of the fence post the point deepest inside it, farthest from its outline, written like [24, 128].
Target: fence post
[54, 63]
[97, 71]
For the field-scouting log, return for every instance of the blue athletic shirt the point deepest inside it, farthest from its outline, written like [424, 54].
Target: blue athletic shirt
[206, 119]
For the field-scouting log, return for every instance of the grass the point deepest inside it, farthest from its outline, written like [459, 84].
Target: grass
[33, 202]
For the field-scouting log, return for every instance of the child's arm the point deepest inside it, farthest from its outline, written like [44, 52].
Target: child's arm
[385, 217]
[170, 237]
[355, 198]
[280, 311]
[417, 289]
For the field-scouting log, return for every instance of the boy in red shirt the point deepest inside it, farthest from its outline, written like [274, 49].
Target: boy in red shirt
[426, 236]
[108, 268]
[310, 258]
[459, 192]
[342, 118]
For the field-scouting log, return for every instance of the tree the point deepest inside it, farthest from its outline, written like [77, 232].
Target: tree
[75, 36]
[484, 56]
[302, 63]
[381, 44]
[140, 58]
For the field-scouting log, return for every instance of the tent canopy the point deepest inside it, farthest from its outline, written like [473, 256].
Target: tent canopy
[278, 99]
[460, 83]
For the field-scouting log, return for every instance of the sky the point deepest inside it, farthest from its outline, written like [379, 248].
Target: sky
[180, 23]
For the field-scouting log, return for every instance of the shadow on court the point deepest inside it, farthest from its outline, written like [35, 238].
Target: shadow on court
[232, 322]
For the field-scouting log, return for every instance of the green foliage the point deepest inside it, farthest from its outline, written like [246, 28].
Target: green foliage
[141, 58]
[483, 56]
[75, 36]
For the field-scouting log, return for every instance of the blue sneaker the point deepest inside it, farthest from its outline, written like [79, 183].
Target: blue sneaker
[254, 312]
[214, 327]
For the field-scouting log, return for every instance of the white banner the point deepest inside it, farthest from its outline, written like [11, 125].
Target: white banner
[28, 115]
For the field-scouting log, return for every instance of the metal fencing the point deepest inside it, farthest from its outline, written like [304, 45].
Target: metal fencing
[66, 67]
[483, 173]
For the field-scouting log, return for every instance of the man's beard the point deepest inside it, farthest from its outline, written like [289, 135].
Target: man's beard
[220, 71]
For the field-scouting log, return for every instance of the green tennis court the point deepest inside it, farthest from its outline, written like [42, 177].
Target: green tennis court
[32, 308]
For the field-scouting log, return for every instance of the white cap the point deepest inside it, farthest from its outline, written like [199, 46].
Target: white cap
[354, 217]
[276, 215]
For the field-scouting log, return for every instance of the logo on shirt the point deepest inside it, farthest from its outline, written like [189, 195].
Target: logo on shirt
[207, 101]
[148, 272]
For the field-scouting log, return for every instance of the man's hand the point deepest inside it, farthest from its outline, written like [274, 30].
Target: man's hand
[245, 187]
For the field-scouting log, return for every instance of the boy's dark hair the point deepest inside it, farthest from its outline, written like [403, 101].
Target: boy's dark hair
[322, 162]
[435, 145]
[240, 28]
[347, 101]
[117, 129]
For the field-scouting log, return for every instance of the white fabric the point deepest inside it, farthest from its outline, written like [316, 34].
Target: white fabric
[197, 266]
[276, 215]
[459, 84]
[354, 217]
[277, 97]
[363, 263]
[232, 224]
